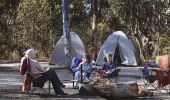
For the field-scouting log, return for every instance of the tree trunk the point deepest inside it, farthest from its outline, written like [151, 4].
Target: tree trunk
[111, 90]
[53, 21]
[93, 22]
[66, 33]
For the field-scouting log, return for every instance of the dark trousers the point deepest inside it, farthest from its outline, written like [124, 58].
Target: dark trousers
[52, 76]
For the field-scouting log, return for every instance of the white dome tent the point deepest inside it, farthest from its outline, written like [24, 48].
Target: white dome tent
[58, 54]
[125, 46]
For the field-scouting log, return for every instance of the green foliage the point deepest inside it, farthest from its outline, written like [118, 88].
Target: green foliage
[38, 23]
[142, 19]
[165, 43]
[33, 20]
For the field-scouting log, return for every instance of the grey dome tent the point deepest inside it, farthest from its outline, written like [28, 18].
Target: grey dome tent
[125, 46]
[58, 54]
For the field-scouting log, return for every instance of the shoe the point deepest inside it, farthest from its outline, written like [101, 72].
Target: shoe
[63, 86]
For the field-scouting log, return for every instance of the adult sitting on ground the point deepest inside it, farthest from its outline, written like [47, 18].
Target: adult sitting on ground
[39, 74]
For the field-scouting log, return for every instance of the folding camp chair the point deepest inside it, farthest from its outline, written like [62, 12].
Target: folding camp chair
[163, 80]
[113, 76]
[155, 82]
[37, 85]
[81, 76]
[149, 79]
[163, 73]
[73, 76]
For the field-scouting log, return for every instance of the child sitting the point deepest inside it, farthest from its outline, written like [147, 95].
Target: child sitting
[86, 65]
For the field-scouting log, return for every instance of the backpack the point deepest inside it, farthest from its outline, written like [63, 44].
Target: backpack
[24, 70]
[24, 66]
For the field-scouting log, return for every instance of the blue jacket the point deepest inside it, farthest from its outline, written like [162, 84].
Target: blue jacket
[87, 67]
[108, 66]
[75, 63]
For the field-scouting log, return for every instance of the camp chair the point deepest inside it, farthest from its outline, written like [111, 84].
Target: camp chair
[163, 73]
[157, 82]
[149, 79]
[163, 80]
[73, 75]
[113, 76]
[81, 76]
[75, 62]
[37, 85]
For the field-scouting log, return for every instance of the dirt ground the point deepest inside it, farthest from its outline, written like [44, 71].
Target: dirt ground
[11, 85]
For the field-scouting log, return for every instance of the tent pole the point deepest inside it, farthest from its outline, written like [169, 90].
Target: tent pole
[66, 32]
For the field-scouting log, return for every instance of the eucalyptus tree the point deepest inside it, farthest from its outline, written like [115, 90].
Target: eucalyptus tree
[7, 22]
[145, 20]
[33, 24]
[87, 18]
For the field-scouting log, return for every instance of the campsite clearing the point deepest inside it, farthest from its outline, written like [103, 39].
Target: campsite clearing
[11, 82]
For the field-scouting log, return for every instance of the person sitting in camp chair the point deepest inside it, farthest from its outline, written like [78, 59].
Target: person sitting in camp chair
[74, 67]
[108, 68]
[39, 74]
[85, 68]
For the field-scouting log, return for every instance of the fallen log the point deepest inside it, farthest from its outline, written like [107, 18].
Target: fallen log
[111, 90]
[86, 90]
